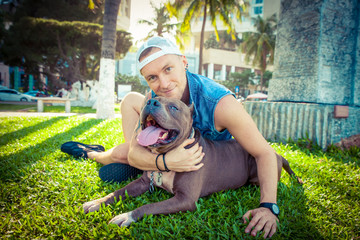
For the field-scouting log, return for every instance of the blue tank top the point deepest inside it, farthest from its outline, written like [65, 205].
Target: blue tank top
[205, 94]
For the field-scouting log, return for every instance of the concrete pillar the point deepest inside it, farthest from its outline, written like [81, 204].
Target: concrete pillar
[223, 72]
[40, 105]
[31, 82]
[317, 68]
[318, 63]
[210, 71]
[17, 80]
[67, 106]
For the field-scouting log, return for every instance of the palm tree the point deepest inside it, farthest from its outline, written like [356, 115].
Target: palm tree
[105, 98]
[214, 8]
[260, 45]
[161, 24]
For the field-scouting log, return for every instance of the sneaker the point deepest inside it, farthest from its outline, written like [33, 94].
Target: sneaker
[118, 172]
[80, 150]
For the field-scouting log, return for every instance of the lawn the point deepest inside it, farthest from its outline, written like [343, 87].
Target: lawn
[49, 108]
[43, 189]
[16, 107]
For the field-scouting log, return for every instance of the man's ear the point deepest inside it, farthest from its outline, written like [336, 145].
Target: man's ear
[184, 60]
[191, 107]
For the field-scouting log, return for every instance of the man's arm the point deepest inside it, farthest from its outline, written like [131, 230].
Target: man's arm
[230, 114]
[178, 159]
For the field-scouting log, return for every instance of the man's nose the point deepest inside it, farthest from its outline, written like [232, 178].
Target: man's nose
[164, 82]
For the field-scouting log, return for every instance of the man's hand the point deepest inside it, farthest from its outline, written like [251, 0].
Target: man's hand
[262, 219]
[185, 160]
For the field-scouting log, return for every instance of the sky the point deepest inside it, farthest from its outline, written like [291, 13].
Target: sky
[141, 9]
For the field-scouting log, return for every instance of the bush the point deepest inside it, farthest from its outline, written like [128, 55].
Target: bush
[134, 81]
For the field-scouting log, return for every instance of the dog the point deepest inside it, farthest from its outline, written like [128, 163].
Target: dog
[166, 123]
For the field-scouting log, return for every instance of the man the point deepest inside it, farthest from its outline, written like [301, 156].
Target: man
[218, 116]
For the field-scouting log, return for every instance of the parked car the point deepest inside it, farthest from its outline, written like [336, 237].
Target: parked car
[257, 97]
[35, 93]
[13, 95]
[31, 93]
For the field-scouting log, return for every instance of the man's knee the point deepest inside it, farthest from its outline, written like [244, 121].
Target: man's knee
[132, 100]
[119, 153]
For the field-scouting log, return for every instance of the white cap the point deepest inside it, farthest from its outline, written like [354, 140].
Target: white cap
[165, 46]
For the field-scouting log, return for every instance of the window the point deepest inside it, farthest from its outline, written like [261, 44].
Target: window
[127, 8]
[8, 91]
[217, 75]
[258, 1]
[258, 10]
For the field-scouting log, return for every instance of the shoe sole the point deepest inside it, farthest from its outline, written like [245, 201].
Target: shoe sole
[118, 172]
[72, 148]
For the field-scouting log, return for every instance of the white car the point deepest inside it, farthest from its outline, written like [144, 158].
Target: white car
[13, 95]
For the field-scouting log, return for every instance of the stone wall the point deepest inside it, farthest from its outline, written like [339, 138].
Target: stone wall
[317, 57]
[281, 121]
[338, 50]
[356, 70]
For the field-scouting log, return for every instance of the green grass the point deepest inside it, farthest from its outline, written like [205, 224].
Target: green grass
[42, 190]
[15, 107]
[49, 108]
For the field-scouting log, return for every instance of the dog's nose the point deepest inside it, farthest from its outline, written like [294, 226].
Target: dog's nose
[153, 102]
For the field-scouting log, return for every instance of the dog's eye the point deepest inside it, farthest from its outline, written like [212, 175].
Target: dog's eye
[174, 108]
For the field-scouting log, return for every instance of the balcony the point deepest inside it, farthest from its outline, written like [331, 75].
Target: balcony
[225, 57]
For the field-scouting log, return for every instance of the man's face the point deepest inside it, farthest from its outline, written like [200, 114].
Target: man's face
[166, 75]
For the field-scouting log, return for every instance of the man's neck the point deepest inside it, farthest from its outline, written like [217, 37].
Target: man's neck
[186, 95]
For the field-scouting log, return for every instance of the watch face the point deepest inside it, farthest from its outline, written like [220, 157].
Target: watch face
[275, 209]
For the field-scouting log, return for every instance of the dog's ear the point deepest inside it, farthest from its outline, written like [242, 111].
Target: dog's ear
[191, 107]
[147, 98]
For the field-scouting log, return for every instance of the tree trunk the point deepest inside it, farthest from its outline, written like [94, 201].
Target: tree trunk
[263, 68]
[105, 98]
[202, 40]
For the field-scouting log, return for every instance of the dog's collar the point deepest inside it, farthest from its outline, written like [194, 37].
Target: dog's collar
[194, 134]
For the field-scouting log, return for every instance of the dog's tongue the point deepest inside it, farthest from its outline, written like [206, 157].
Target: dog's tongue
[150, 135]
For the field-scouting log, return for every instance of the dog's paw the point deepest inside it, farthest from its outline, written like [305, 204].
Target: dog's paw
[91, 206]
[122, 220]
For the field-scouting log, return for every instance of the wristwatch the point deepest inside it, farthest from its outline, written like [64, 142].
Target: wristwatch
[272, 206]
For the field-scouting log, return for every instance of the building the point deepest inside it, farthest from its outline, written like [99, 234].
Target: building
[4, 75]
[219, 63]
[123, 19]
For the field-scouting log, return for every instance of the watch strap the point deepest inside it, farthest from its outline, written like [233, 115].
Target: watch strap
[272, 206]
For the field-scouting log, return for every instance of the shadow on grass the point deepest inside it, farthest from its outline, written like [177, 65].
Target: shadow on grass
[15, 107]
[310, 148]
[23, 132]
[296, 223]
[295, 218]
[13, 166]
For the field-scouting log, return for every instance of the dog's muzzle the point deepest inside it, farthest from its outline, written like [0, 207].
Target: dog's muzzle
[154, 135]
